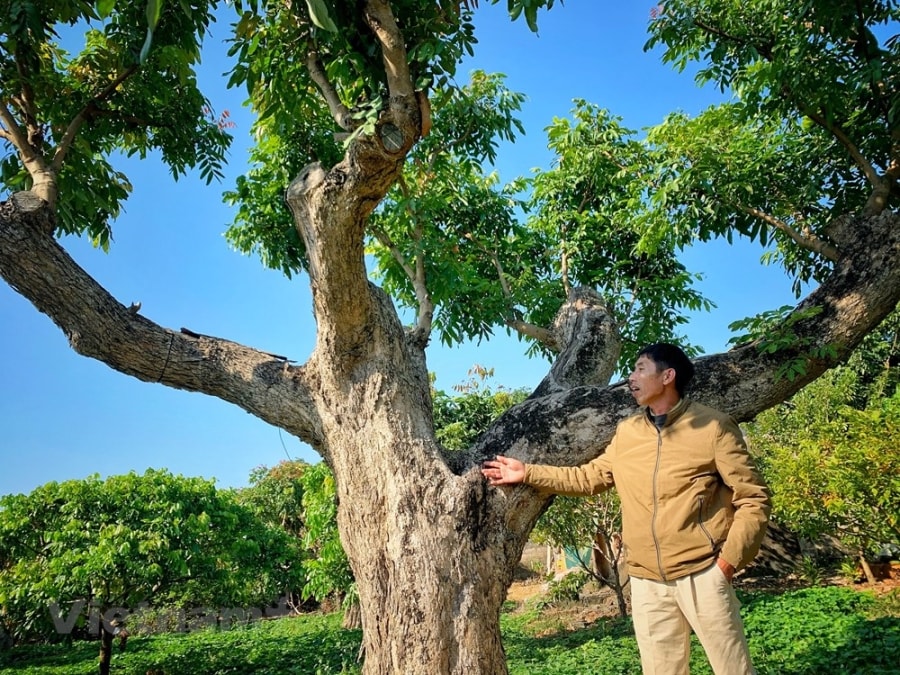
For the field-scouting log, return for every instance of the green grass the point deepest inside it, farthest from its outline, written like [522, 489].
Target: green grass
[306, 645]
[805, 632]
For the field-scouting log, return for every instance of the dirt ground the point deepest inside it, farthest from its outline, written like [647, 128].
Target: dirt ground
[595, 603]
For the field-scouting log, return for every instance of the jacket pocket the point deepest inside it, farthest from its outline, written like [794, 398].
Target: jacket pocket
[702, 524]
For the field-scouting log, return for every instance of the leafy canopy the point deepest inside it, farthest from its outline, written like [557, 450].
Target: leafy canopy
[125, 540]
[65, 116]
[811, 135]
[829, 453]
[807, 138]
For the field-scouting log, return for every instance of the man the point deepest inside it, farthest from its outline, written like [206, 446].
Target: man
[694, 510]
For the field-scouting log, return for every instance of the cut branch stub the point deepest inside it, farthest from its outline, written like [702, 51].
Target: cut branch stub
[589, 343]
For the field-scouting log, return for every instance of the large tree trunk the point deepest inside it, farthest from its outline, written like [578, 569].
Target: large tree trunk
[431, 580]
[432, 547]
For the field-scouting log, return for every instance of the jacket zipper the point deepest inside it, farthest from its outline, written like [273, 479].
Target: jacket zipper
[662, 574]
[712, 543]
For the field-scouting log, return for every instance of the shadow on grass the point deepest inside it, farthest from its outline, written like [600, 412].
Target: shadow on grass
[295, 646]
[49, 655]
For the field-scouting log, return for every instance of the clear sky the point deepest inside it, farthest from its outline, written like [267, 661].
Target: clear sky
[64, 416]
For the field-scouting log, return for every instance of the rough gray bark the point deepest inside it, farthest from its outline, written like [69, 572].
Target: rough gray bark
[432, 547]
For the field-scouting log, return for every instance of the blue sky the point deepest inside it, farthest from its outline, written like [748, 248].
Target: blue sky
[64, 416]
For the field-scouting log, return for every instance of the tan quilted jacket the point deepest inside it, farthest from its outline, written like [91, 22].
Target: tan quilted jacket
[689, 492]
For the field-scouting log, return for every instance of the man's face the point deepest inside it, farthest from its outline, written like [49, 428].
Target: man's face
[647, 381]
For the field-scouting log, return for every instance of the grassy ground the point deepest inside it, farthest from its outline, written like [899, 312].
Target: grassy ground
[806, 631]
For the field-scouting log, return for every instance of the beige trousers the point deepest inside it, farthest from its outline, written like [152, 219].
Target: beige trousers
[664, 612]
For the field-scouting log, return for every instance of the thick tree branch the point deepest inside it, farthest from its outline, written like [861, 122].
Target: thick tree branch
[98, 326]
[331, 210]
[381, 20]
[810, 243]
[589, 344]
[569, 426]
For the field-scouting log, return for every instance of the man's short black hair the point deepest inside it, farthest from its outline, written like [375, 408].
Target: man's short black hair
[666, 355]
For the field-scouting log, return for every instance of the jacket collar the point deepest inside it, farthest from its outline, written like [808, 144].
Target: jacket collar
[673, 414]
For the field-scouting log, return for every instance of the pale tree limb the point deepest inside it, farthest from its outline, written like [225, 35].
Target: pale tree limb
[42, 177]
[81, 117]
[25, 103]
[100, 327]
[339, 111]
[416, 275]
[809, 242]
[425, 317]
[395, 252]
[564, 264]
[381, 20]
[13, 132]
[537, 333]
[542, 335]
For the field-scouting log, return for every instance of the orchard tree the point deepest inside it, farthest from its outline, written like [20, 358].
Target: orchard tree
[300, 498]
[459, 419]
[829, 451]
[74, 555]
[834, 469]
[276, 495]
[358, 118]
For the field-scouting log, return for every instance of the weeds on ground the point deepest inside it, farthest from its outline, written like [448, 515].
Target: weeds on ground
[801, 632]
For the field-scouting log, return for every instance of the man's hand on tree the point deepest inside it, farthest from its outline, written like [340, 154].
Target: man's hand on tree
[503, 471]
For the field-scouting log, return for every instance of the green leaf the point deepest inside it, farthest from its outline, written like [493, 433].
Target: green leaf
[319, 15]
[105, 8]
[154, 11]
